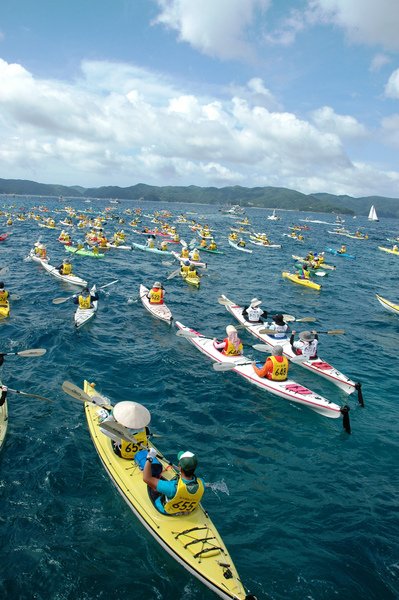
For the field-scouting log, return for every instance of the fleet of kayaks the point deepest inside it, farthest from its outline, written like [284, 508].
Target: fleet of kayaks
[83, 252]
[238, 247]
[390, 306]
[160, 311]
[315, 365]
[192, 539]
[306, 282]
[289, 389]
[84, 315]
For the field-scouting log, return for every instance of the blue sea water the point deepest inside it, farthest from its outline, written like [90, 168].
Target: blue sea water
[306, 510]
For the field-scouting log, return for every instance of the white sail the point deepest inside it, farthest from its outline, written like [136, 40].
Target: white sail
[373, 214]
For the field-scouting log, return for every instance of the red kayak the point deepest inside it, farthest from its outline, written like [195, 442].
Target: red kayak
[3, 237]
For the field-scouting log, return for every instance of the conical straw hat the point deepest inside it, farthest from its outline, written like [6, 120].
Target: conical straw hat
[131, 414]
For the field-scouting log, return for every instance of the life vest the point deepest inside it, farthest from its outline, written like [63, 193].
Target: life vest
[230, 349]
[195, 256]
[151, 244]
[203, 243]
[84, 301]
[212, 246]
[185, 269]
[254, 314]
[280, 330]
[66, 269]
[280, 369]
[187, 497]
[185, 253]
[307, 349]
[3, 297]
[129, 449]
[156, 296]
[191, 273]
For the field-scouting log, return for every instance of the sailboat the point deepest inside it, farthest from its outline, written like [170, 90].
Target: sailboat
[274, 216]
[373, 214]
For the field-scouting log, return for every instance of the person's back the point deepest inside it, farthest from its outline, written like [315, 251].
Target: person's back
[156, 294]
[253, 313]
[275, 367]
[4, 295]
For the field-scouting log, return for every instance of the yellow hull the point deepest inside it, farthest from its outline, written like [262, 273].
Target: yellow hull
[394, 308]
[306, 282]
[195, 281]
[5, 310]
[389, 250]
[191, 539]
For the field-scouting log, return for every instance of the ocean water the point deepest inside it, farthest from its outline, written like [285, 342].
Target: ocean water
[306, 510]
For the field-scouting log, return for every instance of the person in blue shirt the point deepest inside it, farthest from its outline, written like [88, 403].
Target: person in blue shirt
[177, 496]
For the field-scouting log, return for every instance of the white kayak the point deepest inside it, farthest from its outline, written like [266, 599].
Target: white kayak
[3, 423]
[83, 315]
[237, 247]
[160, 311]
[289, 389]
[182, 259]
[35, 258]
[72, 279]
[263, 244]
[145, 248]
[316, 365]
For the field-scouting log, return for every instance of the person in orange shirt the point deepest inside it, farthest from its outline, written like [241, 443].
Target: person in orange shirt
[275, 367]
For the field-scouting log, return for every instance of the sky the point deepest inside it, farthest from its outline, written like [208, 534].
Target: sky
[302, 94]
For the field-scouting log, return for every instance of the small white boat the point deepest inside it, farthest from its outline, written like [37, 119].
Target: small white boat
[83, 315]
[72, 279]
[273, 216]
[237, 247]
[160, 311]
[373, 214]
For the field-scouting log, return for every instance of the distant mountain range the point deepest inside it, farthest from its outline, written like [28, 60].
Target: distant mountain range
[264, 197]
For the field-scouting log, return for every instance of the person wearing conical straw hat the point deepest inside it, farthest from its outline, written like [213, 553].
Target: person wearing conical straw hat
[131, 418]
[254, 313]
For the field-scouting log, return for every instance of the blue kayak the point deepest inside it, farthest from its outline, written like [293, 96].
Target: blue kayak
[338, 253]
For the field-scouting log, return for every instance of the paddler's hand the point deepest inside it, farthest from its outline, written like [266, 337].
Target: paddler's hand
[151, 454]
[293, 332]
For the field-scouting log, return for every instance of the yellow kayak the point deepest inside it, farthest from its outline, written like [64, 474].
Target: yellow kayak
[5, 310]
[390, 306]
[389, 250]
[195, 281]
[191, 539]
[306, 282]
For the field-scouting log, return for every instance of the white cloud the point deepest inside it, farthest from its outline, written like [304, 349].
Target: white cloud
[364, 21]
[118, 125]
[379, 61]
[218, 29]
[345, 126]
[392, 87]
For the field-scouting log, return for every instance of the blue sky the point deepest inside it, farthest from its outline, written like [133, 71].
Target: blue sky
[301, 94]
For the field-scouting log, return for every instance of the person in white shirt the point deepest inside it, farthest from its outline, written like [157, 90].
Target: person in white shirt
[254, 313]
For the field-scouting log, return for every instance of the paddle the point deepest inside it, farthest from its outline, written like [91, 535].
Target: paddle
[287, 318]
[173, 274]
[265, 348]
[76, 392]
[27, 353]
[61, 300]
[4, 270]
[229, 366]
[330, 332]
[29, 395]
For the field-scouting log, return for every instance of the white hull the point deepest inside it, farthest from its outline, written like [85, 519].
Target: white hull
[159, 311]
[84, 315]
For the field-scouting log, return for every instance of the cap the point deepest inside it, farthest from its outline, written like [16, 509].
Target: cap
[306, 336]
[255, 302]
[277, 351]
[157, 284]
[187, 460]
[187, 263]
[86, 289]
[67, 261]
[230, 329]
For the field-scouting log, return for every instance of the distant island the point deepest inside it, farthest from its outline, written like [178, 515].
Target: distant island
[260, 197]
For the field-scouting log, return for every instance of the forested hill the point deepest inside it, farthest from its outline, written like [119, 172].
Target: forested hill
[264, 197]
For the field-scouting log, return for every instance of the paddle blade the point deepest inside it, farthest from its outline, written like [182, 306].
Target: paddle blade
[223, 366]
[307, 320]
[73, 390]
[173, 274]
[29, 395]
[267, 331]
[60, 300]
[186, 334]
[334, 332]
[108, 284]
[288, 318]
[5, 270]
[32, 352]
[224, 301]
[262, 348]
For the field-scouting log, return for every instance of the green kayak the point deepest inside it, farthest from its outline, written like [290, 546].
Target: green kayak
[211, 251]
[83, 252]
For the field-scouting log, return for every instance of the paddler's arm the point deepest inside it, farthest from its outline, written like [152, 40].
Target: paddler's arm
[265, 370]
[292, 338]
[147, 473]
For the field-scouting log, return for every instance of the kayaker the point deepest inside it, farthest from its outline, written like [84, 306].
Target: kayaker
[212, 245]
[241, 243]
[302, 271]
[395, 248]
[203, 243]
[195, 255]
[306, 345]
[65, 268]
[275, 367]
[177, 496]
[184, 269]
[253, 313]
[4, 294]
[163, 246]
[185, 253]
[231, 345]
[156, 293]
[85, 299]
[279, 326]
[192, 272]
[342, 250]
